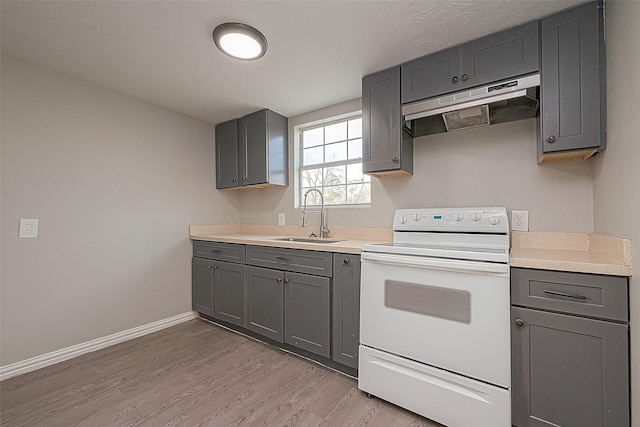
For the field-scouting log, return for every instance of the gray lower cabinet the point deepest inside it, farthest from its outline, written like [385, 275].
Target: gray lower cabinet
[202, 294]
[572, 85]
[229, 292]
[569, 368]
[307, 311]
[346, 309]
[265, 302]
[387, 148]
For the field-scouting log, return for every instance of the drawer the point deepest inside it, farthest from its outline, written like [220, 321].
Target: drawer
[231, 252]
[591, 295]
[297, 260]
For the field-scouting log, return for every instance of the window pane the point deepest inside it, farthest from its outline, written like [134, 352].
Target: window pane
[359, 193]
[334, 175]
[355, 149]
[313, 198]
[335, 152]
[312, 177]
[355, 174]
[355, 128]
[337, 132]
[312, 156]
[335, 195]
[313, 137]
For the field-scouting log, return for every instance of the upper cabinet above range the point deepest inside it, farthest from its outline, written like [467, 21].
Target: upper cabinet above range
[252, 151]
[503, 55]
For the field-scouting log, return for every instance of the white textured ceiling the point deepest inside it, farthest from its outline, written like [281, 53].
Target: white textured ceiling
[162, 51]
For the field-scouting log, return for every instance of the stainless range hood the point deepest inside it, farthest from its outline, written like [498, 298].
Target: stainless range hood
[505, 101]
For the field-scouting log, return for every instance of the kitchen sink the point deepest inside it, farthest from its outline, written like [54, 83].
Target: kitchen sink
[307, 240]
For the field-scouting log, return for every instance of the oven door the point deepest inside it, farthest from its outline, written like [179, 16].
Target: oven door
[450, 314]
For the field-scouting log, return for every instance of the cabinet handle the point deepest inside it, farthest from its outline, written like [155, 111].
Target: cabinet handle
[280, 258]
[519, 322]
[551, 139]
[243, 178]
[465, 77]
[210, 267]
[455, 79]
[234, 180]
[279, 280]
[215, 268]
[286, 280]
[215, 251]
[346, 261]
[562, 294]
[395, 159]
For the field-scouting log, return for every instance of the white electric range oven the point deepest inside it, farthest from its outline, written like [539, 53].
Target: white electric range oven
[434, 319]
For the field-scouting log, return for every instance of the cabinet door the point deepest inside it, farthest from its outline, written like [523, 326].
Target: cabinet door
[346, 309]
[568, 371]
[230, 291]
[227, 154]
[307, 313]
[202, 285]
[572, 80]
[431, 75]
[265, 302]
[253, 148]
[500, 56]
[386, 147]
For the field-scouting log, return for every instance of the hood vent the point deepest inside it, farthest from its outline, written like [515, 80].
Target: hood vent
[502, 102]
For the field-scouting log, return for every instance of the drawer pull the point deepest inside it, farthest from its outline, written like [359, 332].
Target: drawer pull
[215, 251]
[562, 294]
[280, 258]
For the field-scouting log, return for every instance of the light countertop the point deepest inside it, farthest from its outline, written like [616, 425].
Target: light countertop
[351, 239]
[577, 252]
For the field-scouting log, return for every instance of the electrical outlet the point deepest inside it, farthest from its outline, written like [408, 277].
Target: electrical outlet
[28, 228]
[520, 220]
[281, 219]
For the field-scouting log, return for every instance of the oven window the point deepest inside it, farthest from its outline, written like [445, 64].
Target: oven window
[450, 304]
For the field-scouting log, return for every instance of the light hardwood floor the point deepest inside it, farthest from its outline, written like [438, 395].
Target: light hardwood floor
[193, 374]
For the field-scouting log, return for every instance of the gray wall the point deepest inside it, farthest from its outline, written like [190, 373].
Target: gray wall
[493, 166]
[616, 191]
[115, 183]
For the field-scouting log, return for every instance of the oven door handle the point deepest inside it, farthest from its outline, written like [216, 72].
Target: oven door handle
[437, 263]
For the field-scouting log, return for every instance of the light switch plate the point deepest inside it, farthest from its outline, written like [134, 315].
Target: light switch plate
[28, 228]
[520, 220]
[281, 218]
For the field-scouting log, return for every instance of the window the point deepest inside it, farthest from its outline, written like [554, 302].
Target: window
[331, 161]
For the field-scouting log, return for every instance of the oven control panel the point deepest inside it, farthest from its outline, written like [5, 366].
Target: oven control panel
[459, 220]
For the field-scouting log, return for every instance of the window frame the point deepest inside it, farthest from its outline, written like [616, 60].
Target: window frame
[299, 159]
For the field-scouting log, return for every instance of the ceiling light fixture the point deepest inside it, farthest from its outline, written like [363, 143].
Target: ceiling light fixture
[240, 41]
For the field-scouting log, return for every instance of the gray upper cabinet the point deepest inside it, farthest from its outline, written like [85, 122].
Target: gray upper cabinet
[227, 155]
[498, 56]
[346, 309]
[570, 349]
[202, 293]
[387, 148]
[573, 109]
[265, 302]
[307, 312]
[229, 291]
[260, 158]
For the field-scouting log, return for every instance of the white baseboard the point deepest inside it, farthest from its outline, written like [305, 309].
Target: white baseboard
[61, 355]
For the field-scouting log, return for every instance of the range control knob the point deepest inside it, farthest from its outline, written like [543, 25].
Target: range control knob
[417, 217]
[458, 217]
[403, 220]
[475, 216]
[494, 220]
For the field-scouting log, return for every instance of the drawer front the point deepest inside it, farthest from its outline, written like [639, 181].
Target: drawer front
[230, 252]
[593, 295]
[297, 260]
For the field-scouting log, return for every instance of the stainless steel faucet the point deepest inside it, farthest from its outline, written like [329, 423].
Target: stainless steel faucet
[324, 231]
